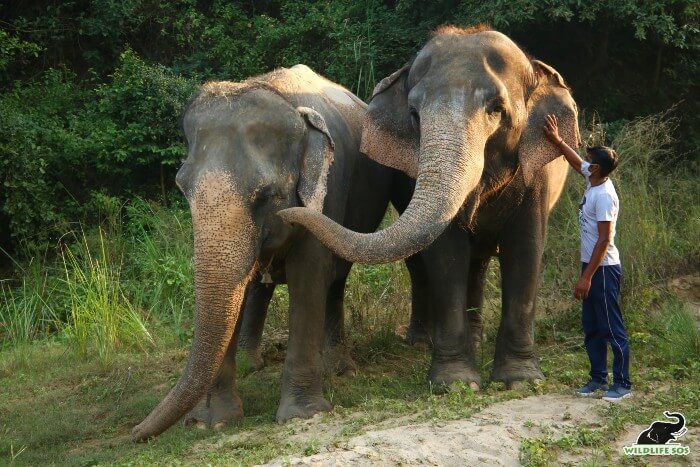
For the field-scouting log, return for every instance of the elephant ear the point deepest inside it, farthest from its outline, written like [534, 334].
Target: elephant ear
[550, 96]
[315, 160]
[388, 135]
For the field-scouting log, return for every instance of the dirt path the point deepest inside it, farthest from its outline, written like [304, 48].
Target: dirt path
[492, 436]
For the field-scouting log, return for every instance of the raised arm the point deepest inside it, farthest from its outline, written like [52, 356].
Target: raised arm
[551, 131]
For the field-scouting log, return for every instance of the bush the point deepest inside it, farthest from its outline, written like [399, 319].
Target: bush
[60, 144]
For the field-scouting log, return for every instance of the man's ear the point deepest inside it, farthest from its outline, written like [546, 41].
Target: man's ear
[315, 160]
[388, 135]
[550, 96]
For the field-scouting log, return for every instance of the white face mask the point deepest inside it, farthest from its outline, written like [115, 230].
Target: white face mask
[585, 168]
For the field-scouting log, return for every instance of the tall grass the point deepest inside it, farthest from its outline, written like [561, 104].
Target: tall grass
[680, 337]
[101, 318]
[159, 273]
[26, 312]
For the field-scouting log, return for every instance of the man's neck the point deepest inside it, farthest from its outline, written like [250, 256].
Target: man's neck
[595, 181]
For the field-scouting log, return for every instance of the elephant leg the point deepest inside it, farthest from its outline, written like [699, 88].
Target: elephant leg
[254, 312]
[521, 246]
[336, 355]
[419, 326]
[221, 404]
[475, 301]
[447, 262]
[309, 268]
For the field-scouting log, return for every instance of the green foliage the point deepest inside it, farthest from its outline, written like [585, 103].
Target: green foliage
[139, 110]
[101, 317]
[13, 49]
[61, 144]
[159, 273]
[95, 88]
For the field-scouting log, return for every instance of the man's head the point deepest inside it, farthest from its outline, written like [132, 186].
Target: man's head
[605, 158]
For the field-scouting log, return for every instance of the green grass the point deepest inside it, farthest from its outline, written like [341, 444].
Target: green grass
[101, 317]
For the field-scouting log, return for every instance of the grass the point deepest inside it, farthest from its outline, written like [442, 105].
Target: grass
[101, 317]
[92, 341]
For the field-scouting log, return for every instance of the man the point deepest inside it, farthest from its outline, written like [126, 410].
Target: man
[599, 284]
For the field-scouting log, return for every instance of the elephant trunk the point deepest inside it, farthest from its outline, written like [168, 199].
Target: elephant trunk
[676, 427]
[450, 166]
[224, 239]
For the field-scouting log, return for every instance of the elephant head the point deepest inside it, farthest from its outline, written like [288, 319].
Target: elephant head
[663, 432]
[250, 154]
[464, 118]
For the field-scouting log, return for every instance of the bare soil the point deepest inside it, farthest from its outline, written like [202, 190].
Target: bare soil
[492, 436]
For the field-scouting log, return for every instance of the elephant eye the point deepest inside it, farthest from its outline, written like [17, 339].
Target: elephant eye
[495, 107]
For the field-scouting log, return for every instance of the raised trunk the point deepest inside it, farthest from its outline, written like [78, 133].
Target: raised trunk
[681, 421]
[224, 240]
[451, 162]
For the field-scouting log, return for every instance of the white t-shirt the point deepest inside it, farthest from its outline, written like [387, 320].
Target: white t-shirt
[599, 203]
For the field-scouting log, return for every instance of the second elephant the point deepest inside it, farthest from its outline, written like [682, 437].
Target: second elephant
[465, 119]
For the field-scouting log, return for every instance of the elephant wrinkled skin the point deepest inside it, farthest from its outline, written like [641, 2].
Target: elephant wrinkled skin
[465, 118]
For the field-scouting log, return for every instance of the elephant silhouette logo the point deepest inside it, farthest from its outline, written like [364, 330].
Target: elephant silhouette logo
[663, 432]
[660, 439]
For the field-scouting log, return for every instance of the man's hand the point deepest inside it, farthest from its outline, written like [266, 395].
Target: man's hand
[551, 130]
[582, 287]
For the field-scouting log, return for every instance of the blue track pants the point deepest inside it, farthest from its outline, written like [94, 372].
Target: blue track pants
[603, 325]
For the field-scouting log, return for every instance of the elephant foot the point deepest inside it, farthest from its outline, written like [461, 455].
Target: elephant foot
[301, 406]
[443, 375]
[416, 335]
[513, 372]
[218, 408]
[337, 361]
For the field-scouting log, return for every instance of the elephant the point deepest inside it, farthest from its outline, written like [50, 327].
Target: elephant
[465, 119]
[663, 432]
[287, 138]
[336, 358]
[433, 287]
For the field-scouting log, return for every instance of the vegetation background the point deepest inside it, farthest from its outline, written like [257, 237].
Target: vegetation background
[95, 258]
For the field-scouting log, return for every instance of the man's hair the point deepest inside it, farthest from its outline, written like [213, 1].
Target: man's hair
[605, 157]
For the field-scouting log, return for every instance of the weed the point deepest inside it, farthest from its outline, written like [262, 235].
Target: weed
[101, 317]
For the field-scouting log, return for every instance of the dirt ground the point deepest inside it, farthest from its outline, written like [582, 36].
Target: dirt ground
[492, 436]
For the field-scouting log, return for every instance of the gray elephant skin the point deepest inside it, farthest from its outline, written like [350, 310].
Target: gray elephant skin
[288, 138]
[465, 119]
[663, 432]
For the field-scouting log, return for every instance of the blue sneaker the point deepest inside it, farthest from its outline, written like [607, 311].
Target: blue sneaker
[616, 393]
[591, 388]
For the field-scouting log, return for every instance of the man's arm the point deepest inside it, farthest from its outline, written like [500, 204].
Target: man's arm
[551, 131]
[584, 283]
